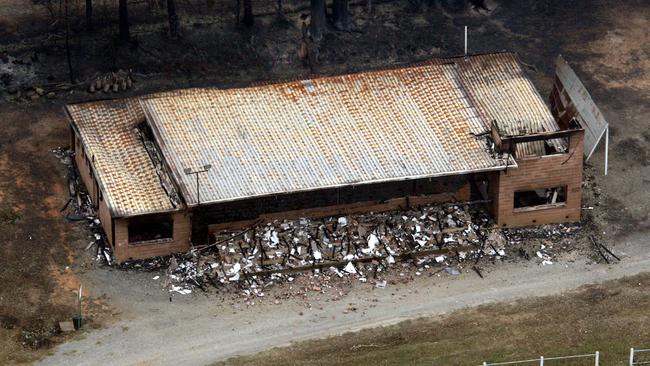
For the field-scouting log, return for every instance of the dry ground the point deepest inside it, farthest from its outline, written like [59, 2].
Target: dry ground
[609, 318]
[606, 41]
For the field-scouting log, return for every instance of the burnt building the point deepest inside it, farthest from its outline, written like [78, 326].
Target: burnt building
[165, 170]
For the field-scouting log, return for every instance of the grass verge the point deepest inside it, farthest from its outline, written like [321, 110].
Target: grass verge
[609, 317]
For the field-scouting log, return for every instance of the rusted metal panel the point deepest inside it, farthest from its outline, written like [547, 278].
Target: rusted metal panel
[120, 163]
[502, 93]
[570, 99]
[376, 126]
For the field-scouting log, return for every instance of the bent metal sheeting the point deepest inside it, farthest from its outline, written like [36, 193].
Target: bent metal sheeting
[386, 125]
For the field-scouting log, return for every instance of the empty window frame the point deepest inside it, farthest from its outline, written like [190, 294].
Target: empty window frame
[540, 198]
[151, 228]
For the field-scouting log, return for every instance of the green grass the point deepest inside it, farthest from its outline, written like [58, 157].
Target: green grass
[609, 318]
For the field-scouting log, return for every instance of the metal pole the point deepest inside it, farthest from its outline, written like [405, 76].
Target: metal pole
[606, 148]
[465, 41]
[631, 356]
[541, 360]
[597, 358]
[198, 193]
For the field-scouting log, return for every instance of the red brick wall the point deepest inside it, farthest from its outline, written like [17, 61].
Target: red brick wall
[536, 173]
[180, 243]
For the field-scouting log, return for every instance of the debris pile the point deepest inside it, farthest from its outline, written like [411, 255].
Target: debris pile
[545, 241]
[79, 207]
[363, 246]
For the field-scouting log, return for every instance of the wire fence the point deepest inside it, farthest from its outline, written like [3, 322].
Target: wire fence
[542, 360]
[634, 361]
[638, 357]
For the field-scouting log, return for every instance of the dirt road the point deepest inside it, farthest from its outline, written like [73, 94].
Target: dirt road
[198, 330]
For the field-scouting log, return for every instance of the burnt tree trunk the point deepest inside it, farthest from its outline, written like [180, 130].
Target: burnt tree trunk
[173, 18]
[341, 15]
[318, 25]
[454, 5]
[89, 15]
[124, 21]
[248, 13]
[67, 43]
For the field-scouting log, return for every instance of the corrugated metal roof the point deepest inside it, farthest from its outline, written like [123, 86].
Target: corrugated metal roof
[391, 124]
[374, 126]
[501, 91]
[120, 163]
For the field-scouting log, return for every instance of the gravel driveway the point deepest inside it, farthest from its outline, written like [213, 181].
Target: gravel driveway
[198, 329]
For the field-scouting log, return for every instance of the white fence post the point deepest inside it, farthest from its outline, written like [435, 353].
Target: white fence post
[631, 356]
[541, 360]
[597, 358]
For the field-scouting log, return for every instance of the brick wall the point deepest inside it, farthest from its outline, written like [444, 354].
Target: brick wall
[537, 173]
[128, 251]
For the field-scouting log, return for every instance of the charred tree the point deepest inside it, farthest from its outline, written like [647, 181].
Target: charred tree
[318, 25]
[89, 15]
[67, 43]
[124, 21]
[248, 13]
[341, 15]
[454, 5]
[173, 19]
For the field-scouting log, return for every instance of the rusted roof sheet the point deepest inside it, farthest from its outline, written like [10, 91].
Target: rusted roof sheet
[499, 88]
[571, 99]
[120, 163]
[392, 124]
[369, 127]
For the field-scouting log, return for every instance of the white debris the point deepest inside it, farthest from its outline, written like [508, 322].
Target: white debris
[180, 290]
[390, 259]
[440, 259]
[336, 270]
[372, 243]
[156, 277]
[343, 221]
[274, 237]
[349, 268]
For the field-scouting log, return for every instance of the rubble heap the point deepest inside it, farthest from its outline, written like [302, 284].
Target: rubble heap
[359, 245]
[79, 207]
